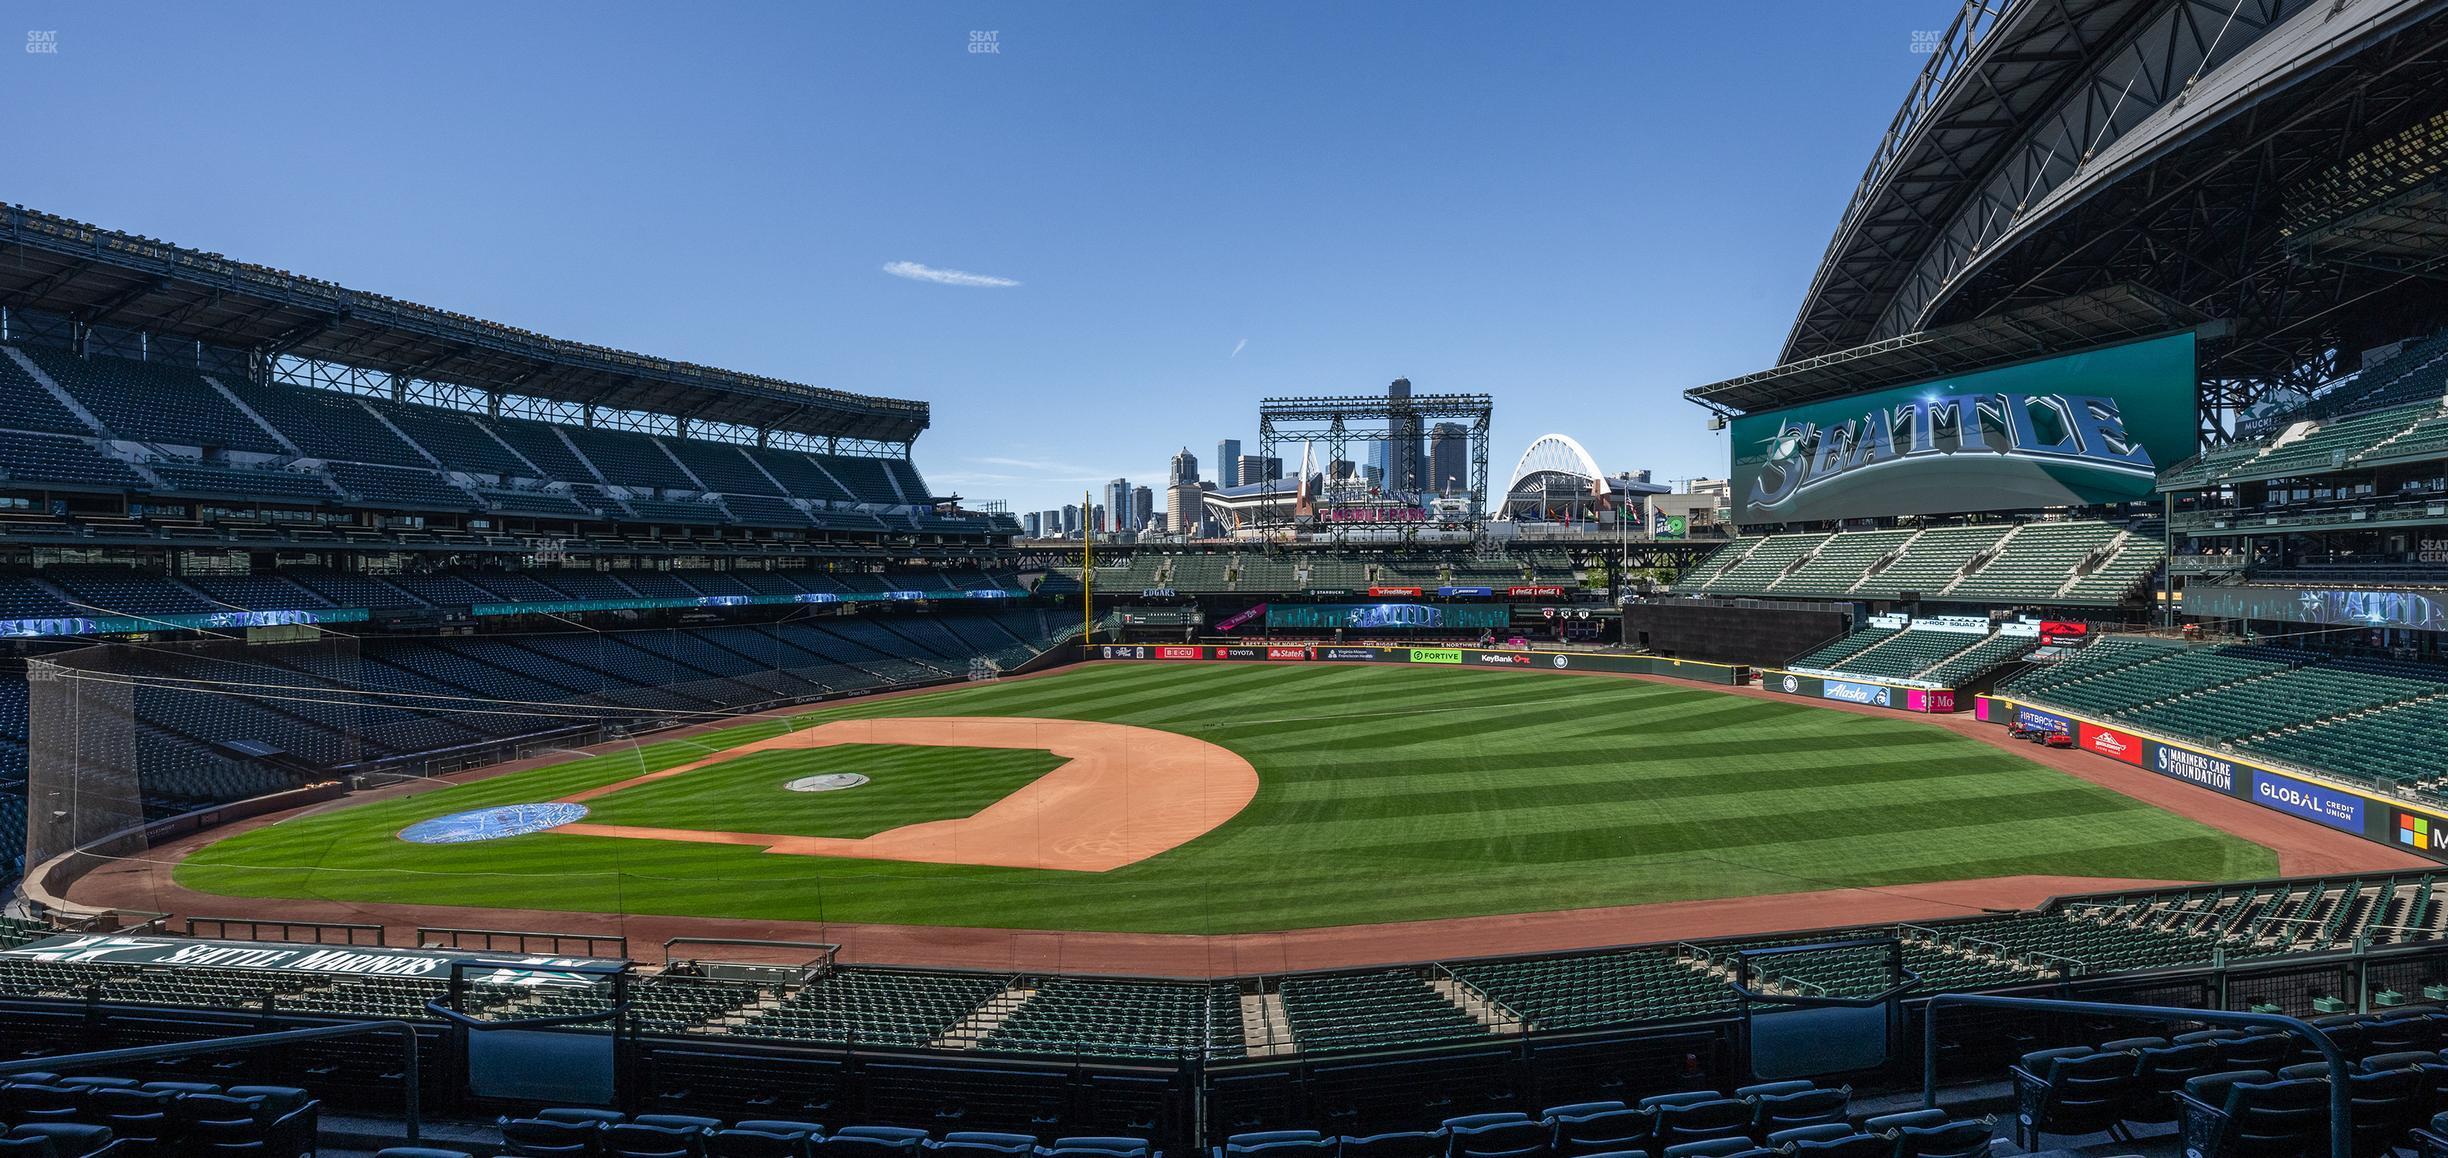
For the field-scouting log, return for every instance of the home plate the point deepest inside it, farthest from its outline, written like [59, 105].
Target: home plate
[829, 782]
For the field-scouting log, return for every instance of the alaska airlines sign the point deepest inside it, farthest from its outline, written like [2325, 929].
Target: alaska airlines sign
[2081, 429]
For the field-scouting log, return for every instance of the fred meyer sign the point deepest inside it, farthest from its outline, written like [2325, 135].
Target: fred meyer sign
[2078, 430]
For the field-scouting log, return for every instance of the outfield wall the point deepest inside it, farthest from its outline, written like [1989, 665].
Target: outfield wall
[2363, 811]
[1855, 690]
[1470, 657]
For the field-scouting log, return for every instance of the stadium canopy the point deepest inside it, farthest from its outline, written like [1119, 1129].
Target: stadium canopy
[102, 277]
[2068, 325]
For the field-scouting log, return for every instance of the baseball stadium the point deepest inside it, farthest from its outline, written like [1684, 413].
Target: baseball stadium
[425, 736]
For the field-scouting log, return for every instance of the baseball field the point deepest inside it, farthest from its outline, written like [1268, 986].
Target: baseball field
[1240, 798]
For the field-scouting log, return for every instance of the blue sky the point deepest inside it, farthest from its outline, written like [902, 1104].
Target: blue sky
[1580, 208]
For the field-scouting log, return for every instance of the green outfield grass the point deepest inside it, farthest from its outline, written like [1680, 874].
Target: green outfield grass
[1386, 794]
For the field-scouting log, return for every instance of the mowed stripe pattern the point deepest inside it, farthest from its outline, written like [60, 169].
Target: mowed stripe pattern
[1387, 794]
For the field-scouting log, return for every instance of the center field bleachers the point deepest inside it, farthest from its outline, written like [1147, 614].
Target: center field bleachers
[2033, 564]
[1940, 658]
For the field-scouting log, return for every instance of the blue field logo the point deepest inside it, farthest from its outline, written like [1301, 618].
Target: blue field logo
[492, 823]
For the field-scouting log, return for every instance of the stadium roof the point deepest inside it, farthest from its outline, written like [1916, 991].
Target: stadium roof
[2084, 321]
[108, 278]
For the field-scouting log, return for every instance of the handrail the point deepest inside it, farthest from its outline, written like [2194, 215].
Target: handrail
[108, 1057]
[2341, 1103]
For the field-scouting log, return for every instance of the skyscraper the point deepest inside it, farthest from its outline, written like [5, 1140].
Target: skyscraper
[1255, 468]
[1142, 508]
[1403, 465]
[1118, 507]
[1185, 468]
[1228, 463]
[1449, 458]
[1030, 523]
[1070, 519]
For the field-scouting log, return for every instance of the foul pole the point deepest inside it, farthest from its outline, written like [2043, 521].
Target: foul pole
[1087, 577]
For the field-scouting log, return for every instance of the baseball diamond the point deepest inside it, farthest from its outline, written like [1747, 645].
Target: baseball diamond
[1378, 796]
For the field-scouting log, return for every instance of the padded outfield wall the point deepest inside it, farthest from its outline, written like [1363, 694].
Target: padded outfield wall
[2363, 811]
[1858, 690]
[1475, 657]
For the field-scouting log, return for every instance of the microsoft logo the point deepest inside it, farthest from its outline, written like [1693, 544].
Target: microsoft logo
[2416, 831]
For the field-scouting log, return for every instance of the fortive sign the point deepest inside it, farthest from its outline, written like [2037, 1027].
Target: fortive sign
[1436, 655]
[2113, 744]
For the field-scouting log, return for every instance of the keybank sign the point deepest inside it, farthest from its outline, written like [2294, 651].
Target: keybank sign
[2085, 428]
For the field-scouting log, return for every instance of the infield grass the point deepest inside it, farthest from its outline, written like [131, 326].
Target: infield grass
[1386, 794]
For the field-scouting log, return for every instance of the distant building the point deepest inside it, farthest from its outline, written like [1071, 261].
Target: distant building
[1142, 508]
[1070, 519]
[1257, 468]
[1404, 464]
[1228, 463]
[1031, 523]
[1118, 508]
[1449, 458]
[1185, 469]
[1184, 503]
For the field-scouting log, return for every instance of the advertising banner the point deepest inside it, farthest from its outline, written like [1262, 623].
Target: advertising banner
[2040, 721]
[1239, 653]
[2111, 743]
[2330, 806]
[2216, 773]
[346, 960]
[1465, 592]
[1504, 659]
[1399, 592]
[1177, 651]
[2077, 430]
[2419, 832]
[204, 620]
[2061, 631]
[1436, 655]
[1535, 592]
[1365, 654]
[1929, 700]
[1384, 616]
[1877, 695]
[2319, 605]
[1285, 653]
[1980, 708]
[1238, 618]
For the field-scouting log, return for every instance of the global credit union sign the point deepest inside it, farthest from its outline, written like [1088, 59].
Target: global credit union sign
[2308, 800]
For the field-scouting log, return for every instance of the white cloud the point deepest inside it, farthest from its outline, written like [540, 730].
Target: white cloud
[1237, 347]
[917, 272]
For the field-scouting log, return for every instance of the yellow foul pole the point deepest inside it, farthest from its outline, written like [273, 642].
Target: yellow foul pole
[1087, 574]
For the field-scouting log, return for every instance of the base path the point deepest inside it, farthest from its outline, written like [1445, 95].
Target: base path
[1123, 794]
[2303, 848]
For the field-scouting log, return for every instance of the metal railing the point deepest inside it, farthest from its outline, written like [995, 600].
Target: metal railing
[522, 941]
[2341, 1102]
[409, 1086]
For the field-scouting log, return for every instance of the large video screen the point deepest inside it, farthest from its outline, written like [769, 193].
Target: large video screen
[2094, 427]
